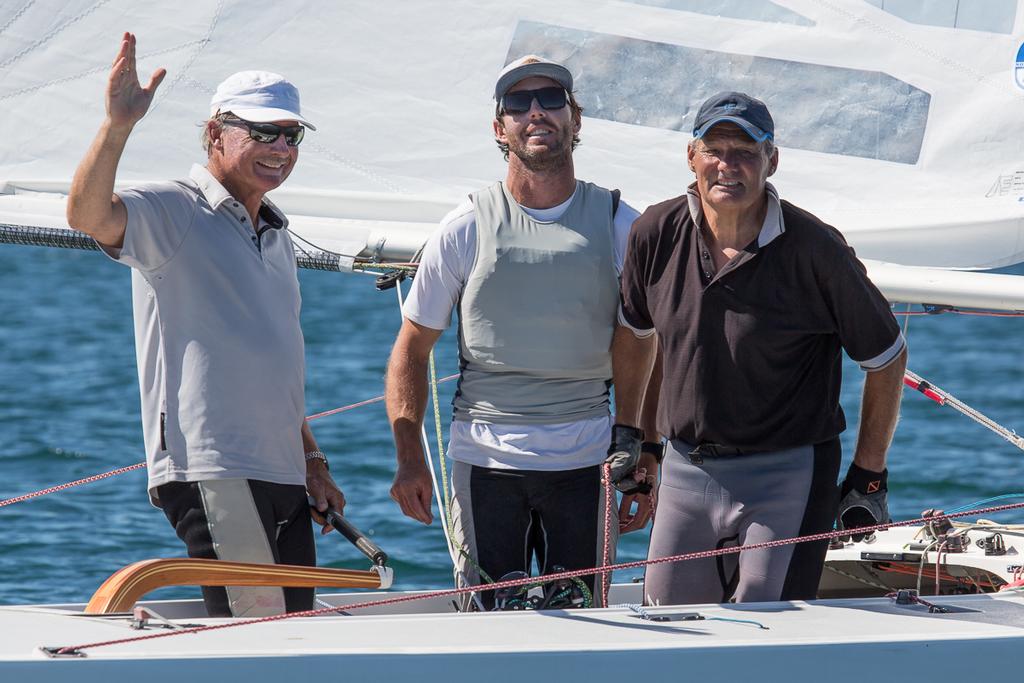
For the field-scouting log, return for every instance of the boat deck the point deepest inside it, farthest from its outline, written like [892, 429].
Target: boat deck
[592, 645]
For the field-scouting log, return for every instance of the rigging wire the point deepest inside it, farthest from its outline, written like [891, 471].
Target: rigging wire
[67, 238]
[944, 398]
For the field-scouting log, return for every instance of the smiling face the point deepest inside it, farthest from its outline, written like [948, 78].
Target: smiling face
[731, 168]
[246, 168]
[540, 139]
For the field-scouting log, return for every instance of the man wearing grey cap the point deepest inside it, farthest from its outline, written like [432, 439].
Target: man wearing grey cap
[216, 301]
[753, 300]
[531, 265]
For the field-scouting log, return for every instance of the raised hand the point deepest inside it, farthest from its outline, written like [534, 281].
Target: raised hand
[127, 100]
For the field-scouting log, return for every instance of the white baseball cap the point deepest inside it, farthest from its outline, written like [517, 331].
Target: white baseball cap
[258, 96]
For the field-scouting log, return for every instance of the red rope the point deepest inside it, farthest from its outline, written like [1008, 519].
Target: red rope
[140, 465]
[376, 399]
[77, 482]
[606, 556]
[703, 554]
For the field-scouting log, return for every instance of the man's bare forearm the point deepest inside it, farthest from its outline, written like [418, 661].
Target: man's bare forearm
[632, 359]
[308, 441]
[879, 412]
[649, 409]
[406, 400]
[91, 205]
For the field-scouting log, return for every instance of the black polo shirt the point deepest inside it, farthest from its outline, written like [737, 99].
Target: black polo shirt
[752, 354]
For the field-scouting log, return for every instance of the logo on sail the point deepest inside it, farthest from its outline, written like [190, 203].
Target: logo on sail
[1018, 71]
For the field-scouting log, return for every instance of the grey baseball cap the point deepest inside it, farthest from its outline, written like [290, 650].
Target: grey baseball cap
[531, 65]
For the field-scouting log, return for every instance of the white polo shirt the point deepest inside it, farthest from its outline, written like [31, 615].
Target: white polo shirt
[218, 342]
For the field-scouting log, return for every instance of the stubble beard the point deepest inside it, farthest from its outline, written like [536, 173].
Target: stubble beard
[544, 160]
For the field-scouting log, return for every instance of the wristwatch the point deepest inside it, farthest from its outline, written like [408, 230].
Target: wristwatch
[318, 455]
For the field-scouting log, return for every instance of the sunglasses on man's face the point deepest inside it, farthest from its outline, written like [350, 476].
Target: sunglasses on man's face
[521, 100]
[269, 132]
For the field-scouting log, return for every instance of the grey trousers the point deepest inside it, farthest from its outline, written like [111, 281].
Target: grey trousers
[742, 500]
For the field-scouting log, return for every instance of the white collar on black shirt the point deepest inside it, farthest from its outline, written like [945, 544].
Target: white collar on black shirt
[219, 197]
[772, 227]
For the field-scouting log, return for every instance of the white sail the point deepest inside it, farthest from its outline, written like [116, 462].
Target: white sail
[900, 126]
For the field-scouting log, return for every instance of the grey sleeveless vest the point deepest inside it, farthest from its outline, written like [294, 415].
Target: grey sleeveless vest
[537, 313]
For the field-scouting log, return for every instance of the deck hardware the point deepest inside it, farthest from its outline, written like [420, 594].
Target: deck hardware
[389, 279]
[378, 250]
[954, 544]
[993, 545]
[937, 528]
[147, 617]
[140, 618]
[878, 556]
[909, 596]
[57, 653]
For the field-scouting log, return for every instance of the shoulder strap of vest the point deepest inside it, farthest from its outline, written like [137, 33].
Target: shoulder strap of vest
[616, 194]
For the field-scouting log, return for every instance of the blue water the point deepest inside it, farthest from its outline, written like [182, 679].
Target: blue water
[69, 408]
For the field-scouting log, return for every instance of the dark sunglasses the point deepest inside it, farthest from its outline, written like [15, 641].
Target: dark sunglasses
[269, 132]
[521, 100]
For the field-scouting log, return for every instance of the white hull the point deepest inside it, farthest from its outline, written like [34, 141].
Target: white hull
[427, 640]
[595, 645]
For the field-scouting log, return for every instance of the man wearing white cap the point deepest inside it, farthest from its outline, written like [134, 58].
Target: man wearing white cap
[220, 351]
[531, 265]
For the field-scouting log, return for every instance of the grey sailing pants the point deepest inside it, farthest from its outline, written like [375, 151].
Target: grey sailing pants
[741, 500]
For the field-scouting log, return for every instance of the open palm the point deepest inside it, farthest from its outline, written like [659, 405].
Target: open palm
[127, 100]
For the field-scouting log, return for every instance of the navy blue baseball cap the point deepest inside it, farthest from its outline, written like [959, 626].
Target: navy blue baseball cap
[748, 113]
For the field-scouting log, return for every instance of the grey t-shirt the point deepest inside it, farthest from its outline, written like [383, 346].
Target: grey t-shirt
[218, 342]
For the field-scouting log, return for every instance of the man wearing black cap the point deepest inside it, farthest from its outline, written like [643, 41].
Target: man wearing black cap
[531, 265]
[753, 300]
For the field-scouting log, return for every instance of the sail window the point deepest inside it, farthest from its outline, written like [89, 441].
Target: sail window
[993, 16]
[818, 108]
[753, 10]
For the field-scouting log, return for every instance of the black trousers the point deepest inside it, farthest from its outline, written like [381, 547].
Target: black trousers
[507, 519]
[244, 520]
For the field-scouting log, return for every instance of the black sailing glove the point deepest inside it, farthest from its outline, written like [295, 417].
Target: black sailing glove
[623, 457]
[863, 500]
